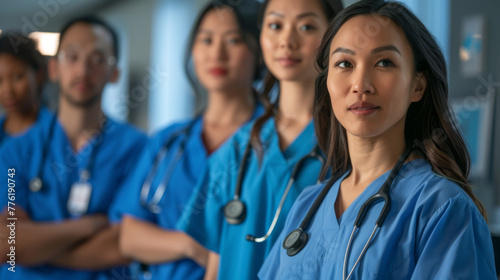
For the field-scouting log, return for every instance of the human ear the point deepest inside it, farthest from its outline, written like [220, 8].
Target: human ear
[115, 75]
[419, 87]
[53, 69]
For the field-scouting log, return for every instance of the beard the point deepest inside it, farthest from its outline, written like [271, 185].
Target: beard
[86, 103]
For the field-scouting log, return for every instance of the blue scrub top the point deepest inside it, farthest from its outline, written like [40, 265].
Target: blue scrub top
[433, 231]
[115, 157]
[4, 136]
[179, 188]
[262, 188]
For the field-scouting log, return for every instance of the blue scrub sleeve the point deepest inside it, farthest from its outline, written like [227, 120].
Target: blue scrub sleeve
[127, 201]
[13, 178]
[203, 217]
[455, 244]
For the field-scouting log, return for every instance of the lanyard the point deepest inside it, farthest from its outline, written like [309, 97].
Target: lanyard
[36, 183]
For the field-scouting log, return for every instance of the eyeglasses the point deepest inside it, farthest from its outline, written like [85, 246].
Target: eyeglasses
[95, 59]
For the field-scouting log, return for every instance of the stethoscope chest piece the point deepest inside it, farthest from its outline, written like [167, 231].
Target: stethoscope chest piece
[235, 212]
[295, 242]
[35, 184]
[156, 209]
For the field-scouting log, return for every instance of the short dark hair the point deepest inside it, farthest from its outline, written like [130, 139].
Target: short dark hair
[22, 48]
[92, 20]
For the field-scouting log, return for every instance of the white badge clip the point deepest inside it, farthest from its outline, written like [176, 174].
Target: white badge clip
[79, 196]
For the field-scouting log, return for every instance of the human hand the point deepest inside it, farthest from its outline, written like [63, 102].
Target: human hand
[197, 253]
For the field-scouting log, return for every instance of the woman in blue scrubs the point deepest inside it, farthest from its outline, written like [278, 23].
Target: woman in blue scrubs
[291, 33]
[22, 72]
[225, 54]
[381, 107]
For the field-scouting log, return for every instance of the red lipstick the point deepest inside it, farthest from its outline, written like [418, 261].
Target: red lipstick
[218, 71]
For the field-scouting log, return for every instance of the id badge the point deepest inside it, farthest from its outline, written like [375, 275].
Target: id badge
[79, 198]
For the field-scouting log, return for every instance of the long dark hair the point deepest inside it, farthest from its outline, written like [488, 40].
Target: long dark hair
[428, 125]
[330, 8]
[246, 13]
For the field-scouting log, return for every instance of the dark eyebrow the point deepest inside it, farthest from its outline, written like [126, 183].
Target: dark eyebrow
[232, 31]
[275, 14]
[386, 48]
[210, 32]
[303, 15]
[374, 51]
[308, 14]
[343, 50]
[204, 31]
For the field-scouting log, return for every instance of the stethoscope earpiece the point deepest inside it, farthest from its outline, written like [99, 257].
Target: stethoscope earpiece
[235, 212]
[295, 242]
[36, 184]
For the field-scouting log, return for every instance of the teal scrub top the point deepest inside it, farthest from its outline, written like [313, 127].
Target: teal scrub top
[186, 169]
[263, 185]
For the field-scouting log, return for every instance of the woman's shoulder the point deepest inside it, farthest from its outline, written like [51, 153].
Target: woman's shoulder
[232, 149]
[175, 128]
[238, 142]
[120, 128]
[305, 200]
[420, 185]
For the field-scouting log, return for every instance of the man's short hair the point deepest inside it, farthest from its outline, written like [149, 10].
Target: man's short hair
[91, 20]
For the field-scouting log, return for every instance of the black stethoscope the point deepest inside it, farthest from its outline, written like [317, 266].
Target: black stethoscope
[153, 204]
[235, 209]
[36, 183]
[297, 239]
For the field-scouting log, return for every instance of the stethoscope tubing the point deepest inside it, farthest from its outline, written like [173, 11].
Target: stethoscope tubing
[36, 182]
[347, 251]
[312, 154]
[153, 205]
[297, 239]
[382, 194]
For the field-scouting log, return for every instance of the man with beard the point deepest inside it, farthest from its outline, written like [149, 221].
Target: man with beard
[58, 180]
